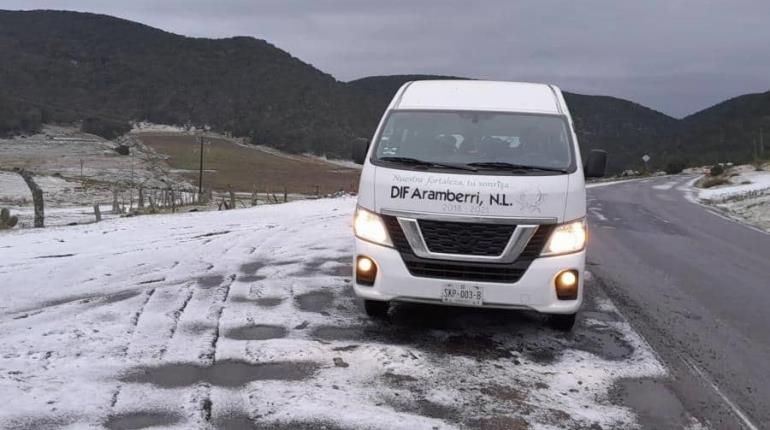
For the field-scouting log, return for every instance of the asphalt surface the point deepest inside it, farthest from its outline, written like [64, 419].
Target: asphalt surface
[697, 287]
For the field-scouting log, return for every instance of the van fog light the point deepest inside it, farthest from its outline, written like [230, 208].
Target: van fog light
[366, 270]
[567, 285]
[365, 264]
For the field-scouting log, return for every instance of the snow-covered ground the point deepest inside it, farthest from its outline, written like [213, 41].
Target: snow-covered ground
[66, 201]
[247, 317]
[342, 163]
[75, 170]
[144, 126]
[71, 154]
[746, 198]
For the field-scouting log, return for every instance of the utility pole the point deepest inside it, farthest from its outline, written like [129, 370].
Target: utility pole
[761, 142]
[132, 171]
[200, 173]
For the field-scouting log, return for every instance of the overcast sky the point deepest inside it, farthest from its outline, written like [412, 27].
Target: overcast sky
[674, 56]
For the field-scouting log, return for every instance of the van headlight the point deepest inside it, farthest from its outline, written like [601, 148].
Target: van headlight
[370, 227]
[566, 238]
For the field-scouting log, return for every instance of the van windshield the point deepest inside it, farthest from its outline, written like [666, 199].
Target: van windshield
[476, 140]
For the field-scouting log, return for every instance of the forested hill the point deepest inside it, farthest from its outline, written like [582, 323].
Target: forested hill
[69, 66]
[740, 125]
[72, 65]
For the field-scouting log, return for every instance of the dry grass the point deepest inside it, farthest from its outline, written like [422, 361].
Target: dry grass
[227, 164]
[711, 181]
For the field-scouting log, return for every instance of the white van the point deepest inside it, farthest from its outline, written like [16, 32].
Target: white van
[472, 194]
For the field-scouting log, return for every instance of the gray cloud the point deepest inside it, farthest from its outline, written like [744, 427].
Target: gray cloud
[677, 56]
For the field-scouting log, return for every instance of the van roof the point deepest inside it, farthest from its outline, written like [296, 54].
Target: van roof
[478, 95]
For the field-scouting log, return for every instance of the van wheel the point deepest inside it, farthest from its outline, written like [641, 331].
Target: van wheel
[376, 308]
[562, 322]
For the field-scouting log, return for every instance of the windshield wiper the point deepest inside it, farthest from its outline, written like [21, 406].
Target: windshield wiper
[418, 162]
[512, 166]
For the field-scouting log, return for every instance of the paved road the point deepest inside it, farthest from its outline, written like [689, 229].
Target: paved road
[697, 286]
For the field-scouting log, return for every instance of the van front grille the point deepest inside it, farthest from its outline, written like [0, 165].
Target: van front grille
[466, 270]
[465, 238]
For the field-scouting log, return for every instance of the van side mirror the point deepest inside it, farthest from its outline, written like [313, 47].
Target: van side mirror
[596, 164]
[360, 148]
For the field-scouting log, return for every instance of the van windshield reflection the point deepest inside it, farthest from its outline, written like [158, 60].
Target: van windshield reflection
[476, 141]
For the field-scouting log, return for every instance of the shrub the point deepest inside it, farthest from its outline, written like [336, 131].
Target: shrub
[674, 167]
[6, 220]
[105, 128]
[716, 170]
[123, 150]
[711, 181]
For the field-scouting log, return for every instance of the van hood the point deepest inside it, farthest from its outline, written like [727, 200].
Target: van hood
[530, 197]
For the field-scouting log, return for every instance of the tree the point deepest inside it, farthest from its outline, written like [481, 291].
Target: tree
[108, 129]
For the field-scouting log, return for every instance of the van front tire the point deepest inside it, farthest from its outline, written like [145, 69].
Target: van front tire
[562, 322]
[376, 308]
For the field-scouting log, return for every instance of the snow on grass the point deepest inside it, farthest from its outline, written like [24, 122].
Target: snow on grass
[144, 126]
[88, 308]
[66, 202]
[13, 188]
[342, 163]
[75, 171]
[61, 216]
[746, 183]
[746, 198]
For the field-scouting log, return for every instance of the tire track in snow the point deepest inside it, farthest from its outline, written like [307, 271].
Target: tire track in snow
[177, 314]
[157, 330]
[221, 298]
[135, 317]
[158, 323]
[130, 334]
[196, 327]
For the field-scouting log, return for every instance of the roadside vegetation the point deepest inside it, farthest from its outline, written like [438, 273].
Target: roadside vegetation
[717, 175]
[740, 192]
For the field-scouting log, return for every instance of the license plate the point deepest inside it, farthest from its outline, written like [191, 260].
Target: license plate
[462, 294]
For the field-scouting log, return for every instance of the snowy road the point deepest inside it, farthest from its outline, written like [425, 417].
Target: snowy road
[246, 319]
[696, 285]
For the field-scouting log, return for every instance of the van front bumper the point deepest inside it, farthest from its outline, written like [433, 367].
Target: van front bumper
[534, 290]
